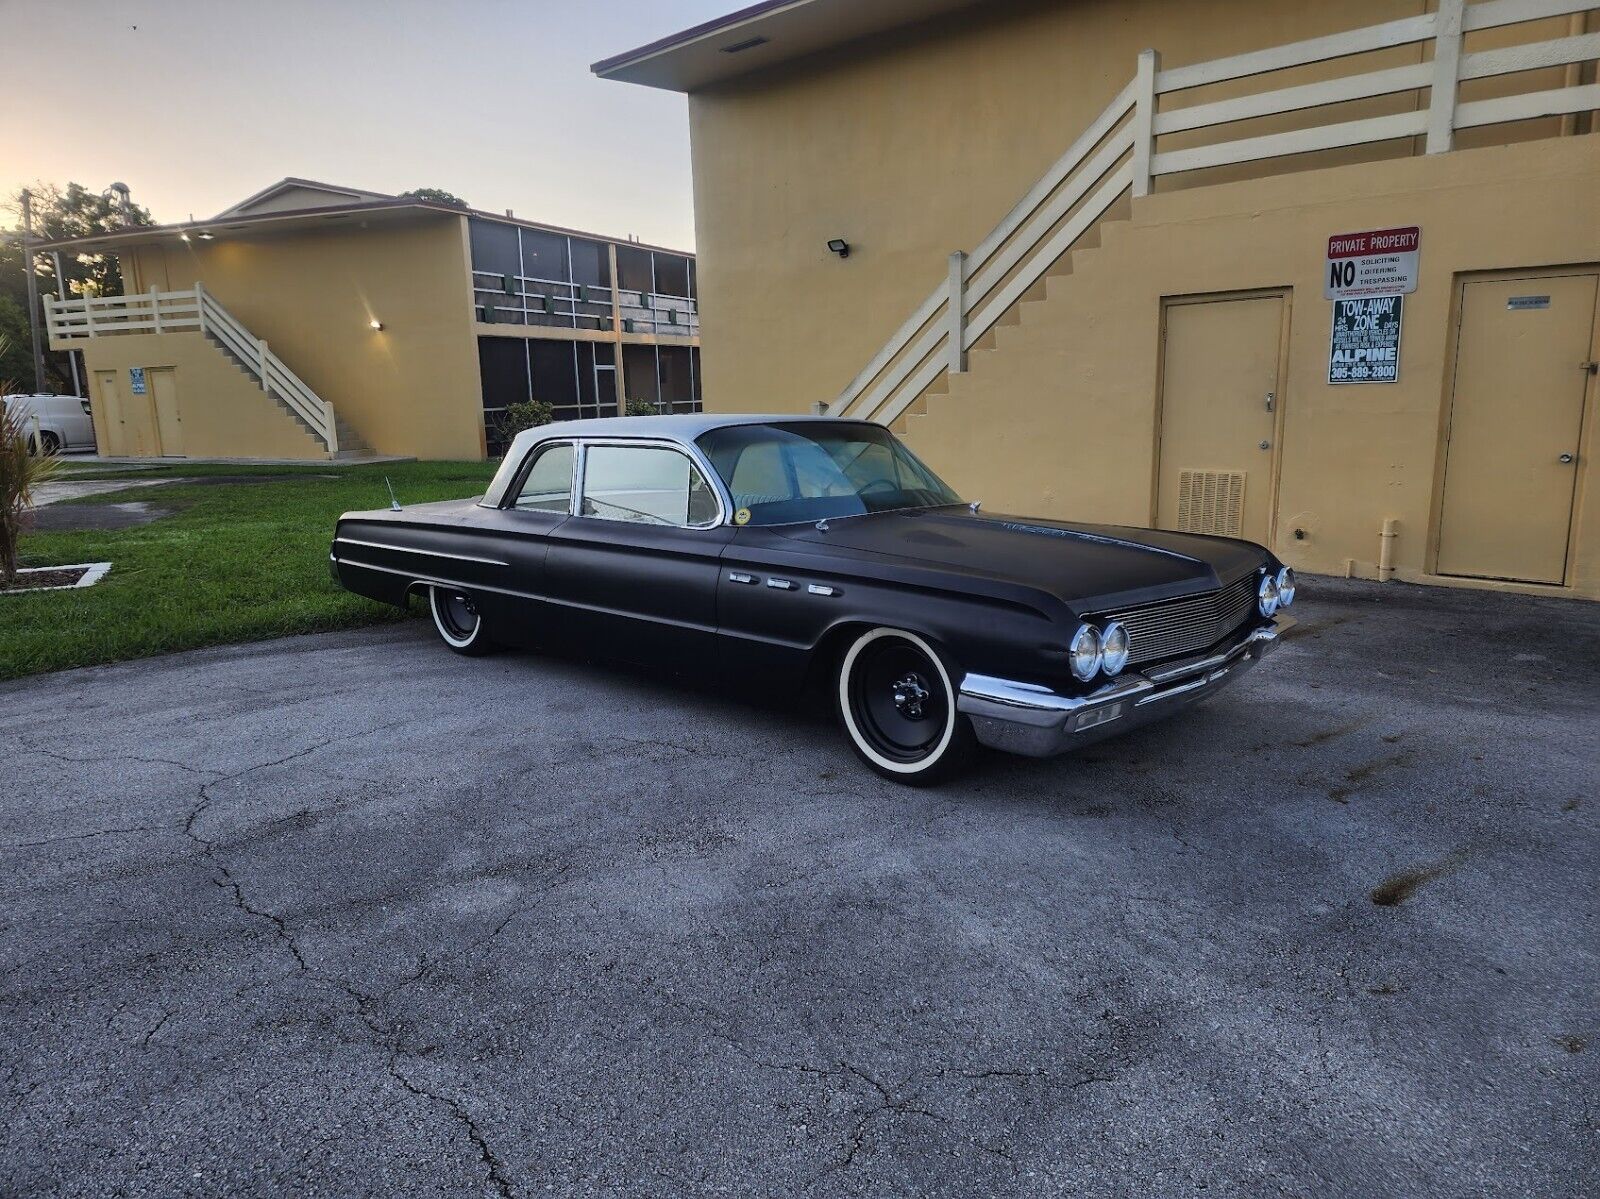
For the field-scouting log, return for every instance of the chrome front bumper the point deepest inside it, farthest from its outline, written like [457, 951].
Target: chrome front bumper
[1025, 718]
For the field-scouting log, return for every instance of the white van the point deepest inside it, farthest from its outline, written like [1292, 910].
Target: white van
[63, 421]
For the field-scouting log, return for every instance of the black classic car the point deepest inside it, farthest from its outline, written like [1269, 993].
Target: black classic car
[777, 551]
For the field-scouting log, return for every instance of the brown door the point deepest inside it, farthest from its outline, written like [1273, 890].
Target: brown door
[162, 384]
[1221, 384]
[1511, 460]
[108, 411]
[128, 419]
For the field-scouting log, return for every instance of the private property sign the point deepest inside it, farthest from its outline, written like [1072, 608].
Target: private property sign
[1379, 262]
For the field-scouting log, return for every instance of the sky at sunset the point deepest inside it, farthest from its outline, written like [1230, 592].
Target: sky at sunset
[196, 104]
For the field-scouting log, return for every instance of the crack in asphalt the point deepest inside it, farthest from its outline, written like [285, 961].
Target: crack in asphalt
[144, 1041]
[491, 1160]
[392, 1035]
[104, 832]
[902, 1099]
[104, 759]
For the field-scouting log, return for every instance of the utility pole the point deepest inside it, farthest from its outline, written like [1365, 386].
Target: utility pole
[72, 355]
[33, 290]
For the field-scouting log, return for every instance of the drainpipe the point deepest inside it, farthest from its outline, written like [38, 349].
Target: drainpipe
[1386, 541]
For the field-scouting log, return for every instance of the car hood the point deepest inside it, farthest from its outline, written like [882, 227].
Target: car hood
[1086, 566]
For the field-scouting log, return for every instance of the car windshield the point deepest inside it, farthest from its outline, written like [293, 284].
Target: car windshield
[809, 470]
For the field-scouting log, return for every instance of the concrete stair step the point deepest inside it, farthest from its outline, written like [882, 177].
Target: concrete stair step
[350, 442]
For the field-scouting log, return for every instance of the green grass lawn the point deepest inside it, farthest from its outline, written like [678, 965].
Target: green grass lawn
[234, 562]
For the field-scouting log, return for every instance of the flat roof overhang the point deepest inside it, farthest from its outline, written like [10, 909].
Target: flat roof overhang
[268, 224]
[760, 36]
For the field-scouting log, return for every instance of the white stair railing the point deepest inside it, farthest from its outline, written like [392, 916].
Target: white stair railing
[70, 320]
[1120, 153]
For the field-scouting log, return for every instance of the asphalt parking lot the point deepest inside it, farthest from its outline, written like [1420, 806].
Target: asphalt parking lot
[349, 915]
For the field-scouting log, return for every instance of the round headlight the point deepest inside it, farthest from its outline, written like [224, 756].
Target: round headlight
[1285, 587]
[1267, 595]
[1113, 648]
[1085, 653]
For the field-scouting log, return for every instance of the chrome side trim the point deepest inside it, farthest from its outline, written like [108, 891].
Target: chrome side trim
[1031, 719]
[437, 580]
[411, 549]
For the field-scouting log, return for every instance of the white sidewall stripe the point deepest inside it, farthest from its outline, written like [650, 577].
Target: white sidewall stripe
[861, 742]
[444, 629]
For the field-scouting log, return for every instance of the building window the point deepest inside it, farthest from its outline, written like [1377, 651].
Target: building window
[503, 373]
[676, 369]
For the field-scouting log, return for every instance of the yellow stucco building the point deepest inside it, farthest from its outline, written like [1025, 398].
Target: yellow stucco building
[1324, 276]
[312, 321]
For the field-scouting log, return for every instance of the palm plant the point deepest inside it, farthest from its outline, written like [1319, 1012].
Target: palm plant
[20, 473]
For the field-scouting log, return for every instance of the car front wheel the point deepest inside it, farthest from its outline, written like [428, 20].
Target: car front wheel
[896, 701]
[459, 622]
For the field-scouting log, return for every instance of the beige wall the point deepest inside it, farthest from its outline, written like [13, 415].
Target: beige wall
[909, 148]
[221, 409]
[918, 143]
[409, 389]
[1083, 364]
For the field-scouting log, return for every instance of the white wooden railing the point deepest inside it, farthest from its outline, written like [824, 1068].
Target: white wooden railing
[1120, 153]
[72, 320]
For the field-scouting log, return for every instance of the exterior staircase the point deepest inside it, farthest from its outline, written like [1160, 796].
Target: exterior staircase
[74, 320]
[349, 442]
[990, 297]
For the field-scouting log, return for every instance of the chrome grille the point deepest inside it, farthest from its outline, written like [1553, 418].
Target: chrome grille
[1186, 626]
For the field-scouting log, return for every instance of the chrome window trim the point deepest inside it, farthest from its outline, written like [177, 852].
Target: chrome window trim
[508, 501]
[696, 460]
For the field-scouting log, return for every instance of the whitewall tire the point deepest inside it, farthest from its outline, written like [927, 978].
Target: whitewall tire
[458, 621]
[897, 704]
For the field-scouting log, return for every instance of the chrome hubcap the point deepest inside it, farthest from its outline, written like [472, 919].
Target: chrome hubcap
[911, 696]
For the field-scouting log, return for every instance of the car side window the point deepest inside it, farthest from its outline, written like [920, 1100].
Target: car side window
[548, 485]
[646, 484]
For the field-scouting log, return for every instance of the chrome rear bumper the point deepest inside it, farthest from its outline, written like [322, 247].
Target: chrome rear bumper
[1025, 718]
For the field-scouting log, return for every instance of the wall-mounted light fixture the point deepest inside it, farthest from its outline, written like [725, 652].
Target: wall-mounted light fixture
[840, 247]
[376, 324]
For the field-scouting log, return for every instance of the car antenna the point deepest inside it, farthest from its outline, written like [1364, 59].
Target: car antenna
[394, 503]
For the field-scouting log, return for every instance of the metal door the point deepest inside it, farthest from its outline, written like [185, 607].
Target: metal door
[1523, 352]
[1221, 392]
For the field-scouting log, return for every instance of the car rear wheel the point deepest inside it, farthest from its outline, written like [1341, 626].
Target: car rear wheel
[897, 704]
[459, 622]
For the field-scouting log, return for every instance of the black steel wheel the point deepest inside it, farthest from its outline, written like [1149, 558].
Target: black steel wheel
[896, 701]
[458, 620]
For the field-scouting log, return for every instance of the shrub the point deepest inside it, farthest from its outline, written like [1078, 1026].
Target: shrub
[20, 473]
[642, 408]
[529, 414]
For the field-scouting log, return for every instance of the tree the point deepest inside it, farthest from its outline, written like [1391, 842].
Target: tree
[78, 212]
[15, 361]
[20, 473]
[59, 214]
[435, 195]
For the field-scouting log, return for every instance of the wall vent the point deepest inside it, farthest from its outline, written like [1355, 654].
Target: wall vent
[1211, 501]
